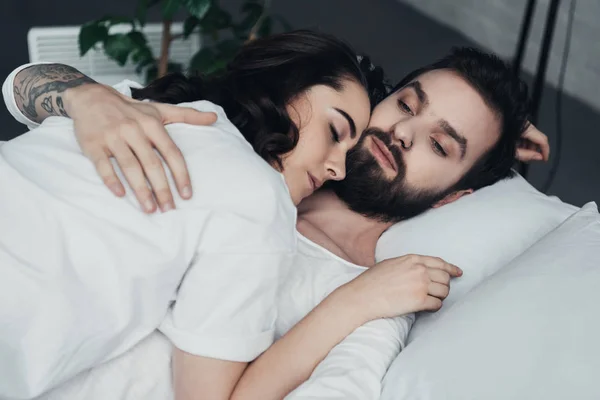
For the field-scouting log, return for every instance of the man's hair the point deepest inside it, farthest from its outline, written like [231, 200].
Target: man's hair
[504, 93]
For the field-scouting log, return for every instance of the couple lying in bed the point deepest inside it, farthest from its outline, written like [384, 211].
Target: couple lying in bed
[258, 265]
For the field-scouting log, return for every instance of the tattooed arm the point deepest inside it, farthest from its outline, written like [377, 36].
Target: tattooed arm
[42, 90]
[108, 124]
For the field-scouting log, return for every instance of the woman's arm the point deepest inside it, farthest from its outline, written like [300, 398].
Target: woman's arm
[196, 378]
[393, 287]
[291, 360]
[355, 368]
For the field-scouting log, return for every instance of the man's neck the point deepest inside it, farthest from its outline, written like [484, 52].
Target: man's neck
[326, 220]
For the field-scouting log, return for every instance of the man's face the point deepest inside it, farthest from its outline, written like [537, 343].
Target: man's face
[421, 140]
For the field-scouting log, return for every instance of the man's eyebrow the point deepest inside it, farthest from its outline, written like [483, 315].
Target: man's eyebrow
[450, 131]
[421, 95]
[350, 121]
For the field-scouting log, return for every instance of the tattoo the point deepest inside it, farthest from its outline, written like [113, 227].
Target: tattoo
[47, 105]
[46, 81]
[18, 94]
[61, 107]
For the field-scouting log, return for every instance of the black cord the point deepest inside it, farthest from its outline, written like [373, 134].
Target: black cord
[559, 96]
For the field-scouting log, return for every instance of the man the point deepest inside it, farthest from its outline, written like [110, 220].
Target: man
[446, 130]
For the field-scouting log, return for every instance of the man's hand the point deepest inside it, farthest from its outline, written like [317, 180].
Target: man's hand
[533, 145]
[401, 285]
[108, 124]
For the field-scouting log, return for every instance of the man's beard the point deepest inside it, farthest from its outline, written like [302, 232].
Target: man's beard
[367, 191]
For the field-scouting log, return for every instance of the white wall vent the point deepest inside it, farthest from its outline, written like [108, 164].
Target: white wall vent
[60, 44]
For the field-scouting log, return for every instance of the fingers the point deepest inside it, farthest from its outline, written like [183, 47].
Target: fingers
[539, 141]
[526, 155]
[105, 169]
[439, 276]
[172, 156]
[153, 170]
[171, 114]
[438, 263]
[432, 304]
[131, 168]
[438, 290]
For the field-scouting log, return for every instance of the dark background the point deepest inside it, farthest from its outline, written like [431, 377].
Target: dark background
[396, 37]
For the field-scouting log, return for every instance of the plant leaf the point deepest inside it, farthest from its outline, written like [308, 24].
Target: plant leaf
[138, 38]
[118, 47]
[197, 8]
[228, 48]
[174, 67]
[170, 8]
[90, 34]
[143, 63]
[141, 55]
[283, 22]
[217, 65]
[152, 72]
[189, 25]
[214, 20]
[116, 20]
[142, 9]
[266, 26]
[202, 60]
[253, 11]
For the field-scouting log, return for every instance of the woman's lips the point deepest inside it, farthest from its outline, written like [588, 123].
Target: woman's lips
[314, 182]
[381, 152]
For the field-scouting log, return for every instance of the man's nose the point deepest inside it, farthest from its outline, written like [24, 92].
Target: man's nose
[404, 135]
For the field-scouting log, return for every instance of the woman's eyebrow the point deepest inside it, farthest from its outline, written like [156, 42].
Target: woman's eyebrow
[350, 121]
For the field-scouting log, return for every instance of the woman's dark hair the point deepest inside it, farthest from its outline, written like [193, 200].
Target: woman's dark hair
[260, 82]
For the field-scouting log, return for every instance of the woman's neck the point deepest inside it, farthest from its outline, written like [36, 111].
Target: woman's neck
[326, 220]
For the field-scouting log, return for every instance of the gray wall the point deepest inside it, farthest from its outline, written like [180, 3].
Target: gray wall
[495, 24]
[395, 35]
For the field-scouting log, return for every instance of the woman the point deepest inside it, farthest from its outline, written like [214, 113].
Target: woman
[87, 276]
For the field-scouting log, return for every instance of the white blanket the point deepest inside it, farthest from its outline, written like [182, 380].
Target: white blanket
[144, 372]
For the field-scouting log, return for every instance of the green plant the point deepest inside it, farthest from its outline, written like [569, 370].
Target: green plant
[222, 36]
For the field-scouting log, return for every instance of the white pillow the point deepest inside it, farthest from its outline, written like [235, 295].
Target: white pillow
[531, 331]
[480, 233]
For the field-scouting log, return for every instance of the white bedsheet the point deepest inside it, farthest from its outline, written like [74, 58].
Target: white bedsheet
[144, 372]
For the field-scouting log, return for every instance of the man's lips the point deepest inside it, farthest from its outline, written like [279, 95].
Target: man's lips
[381, 152]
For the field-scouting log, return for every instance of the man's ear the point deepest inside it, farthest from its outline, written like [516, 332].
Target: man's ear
[452, 197]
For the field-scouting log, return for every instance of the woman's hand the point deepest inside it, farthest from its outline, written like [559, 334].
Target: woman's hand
[109, 124]
[401, 285]
[533, 145]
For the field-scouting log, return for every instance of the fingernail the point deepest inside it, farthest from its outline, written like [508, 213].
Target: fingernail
[168, 207]
[186, 192]
[117, 189]
[149, 205]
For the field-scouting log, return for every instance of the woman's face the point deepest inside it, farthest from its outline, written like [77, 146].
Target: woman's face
[330, 123]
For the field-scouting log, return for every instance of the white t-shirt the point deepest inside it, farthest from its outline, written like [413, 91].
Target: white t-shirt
[353, 370]
[84, 275]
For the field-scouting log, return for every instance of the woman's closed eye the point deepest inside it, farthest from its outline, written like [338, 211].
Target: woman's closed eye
[335, 136]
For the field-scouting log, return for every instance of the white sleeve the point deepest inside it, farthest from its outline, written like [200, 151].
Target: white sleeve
[11, 104]
[9, 97]
[355, 368]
